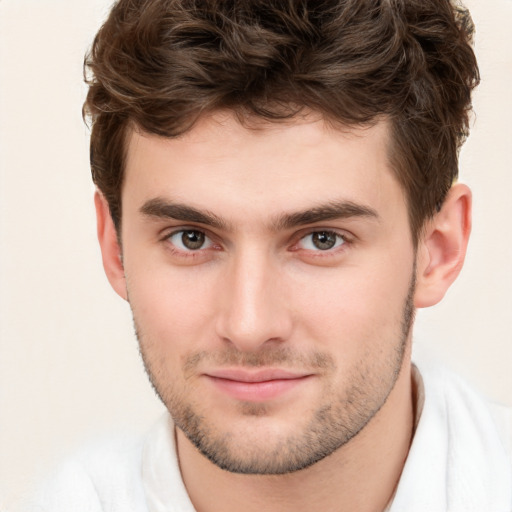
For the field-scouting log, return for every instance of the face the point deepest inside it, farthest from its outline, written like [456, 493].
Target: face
[270, 270]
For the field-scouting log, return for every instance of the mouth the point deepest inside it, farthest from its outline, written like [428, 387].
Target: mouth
[256, 385]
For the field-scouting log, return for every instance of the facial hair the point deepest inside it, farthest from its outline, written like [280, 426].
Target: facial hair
[332, 425]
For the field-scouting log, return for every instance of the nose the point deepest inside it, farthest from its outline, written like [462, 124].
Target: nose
[252, 307]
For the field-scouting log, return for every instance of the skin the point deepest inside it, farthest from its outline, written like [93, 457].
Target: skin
[322, 333]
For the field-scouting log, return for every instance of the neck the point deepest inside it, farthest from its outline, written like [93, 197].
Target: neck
[361, 475]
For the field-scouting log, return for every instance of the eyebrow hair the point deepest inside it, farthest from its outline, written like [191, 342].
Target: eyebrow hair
[161, 208]
[330, 211]
[165, 209]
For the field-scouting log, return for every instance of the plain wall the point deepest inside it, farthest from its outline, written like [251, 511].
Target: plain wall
[69, 365]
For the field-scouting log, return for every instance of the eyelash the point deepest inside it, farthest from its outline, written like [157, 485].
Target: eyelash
[319, 253]
[340, 240]
[190, 253]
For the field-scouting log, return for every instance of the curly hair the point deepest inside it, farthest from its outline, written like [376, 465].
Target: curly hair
[159, 65]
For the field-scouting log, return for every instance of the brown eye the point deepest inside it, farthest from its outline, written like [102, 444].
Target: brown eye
[322, 241]
[193, 239]
[190, 240]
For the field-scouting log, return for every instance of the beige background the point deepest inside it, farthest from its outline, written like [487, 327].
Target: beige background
[69, 367]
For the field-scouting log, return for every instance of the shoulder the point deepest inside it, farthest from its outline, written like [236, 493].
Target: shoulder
[458, 459]
[465, 410]
[502, 416]
[102, 476]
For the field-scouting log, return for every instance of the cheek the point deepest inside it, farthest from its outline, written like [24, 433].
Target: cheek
[171, 308]
[355, 310]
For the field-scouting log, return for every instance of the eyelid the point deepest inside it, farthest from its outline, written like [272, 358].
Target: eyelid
[172, 230]
[338, 240]
[169, 233]
[347, 238]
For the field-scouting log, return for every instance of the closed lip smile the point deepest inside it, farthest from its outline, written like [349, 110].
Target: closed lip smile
[256, 385]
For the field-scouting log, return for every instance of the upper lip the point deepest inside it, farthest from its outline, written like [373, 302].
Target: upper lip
[257, 375]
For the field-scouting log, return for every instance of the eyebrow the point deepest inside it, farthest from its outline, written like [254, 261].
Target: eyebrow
[164, 209]
[330, 211]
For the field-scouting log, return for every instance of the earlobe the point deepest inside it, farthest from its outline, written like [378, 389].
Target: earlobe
[109, 244]
[442, 248]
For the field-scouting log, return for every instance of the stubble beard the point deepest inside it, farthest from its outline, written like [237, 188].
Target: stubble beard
[332, 425]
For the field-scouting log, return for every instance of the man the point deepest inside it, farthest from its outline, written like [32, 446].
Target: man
[276, 196]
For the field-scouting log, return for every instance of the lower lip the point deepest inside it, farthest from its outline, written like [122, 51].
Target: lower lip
[257, 391]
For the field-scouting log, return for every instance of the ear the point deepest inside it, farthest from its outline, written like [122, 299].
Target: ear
[442, 248]
[109, 244]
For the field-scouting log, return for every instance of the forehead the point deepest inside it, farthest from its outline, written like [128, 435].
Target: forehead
[262, 167]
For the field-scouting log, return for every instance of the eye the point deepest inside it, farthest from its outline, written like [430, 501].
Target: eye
[190, 240]
[321, 241]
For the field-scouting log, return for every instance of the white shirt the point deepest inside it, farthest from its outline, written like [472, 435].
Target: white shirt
[459, 461]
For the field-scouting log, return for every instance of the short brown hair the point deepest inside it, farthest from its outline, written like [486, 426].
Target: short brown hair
[161, 64]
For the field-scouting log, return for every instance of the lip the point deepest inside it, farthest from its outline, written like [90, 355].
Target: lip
[256, 385]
